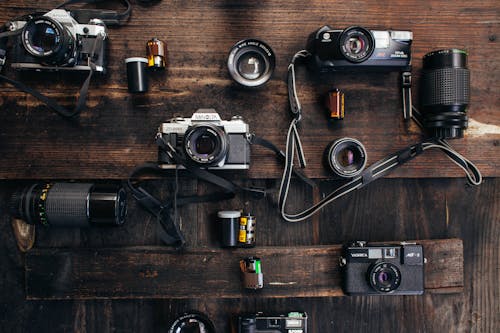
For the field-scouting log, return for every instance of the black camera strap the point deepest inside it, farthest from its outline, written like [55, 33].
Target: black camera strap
[166, 212]
[62, 111]
[109, 17]
[375, 171]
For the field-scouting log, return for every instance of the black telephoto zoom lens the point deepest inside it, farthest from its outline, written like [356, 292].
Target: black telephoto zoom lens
[70, 204]
[445, 93]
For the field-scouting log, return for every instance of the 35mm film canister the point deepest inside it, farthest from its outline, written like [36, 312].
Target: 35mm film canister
[229, 227]
[246, 236]
[136, 74]
[157, 54]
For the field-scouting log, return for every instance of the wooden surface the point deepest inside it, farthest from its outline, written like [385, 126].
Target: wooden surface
[387, 210]
[157, 272]
[116, 132]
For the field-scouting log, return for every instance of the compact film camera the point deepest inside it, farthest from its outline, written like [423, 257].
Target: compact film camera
[56, 41]
[383, 269]
[293, 322]
[359, 48]
[206, 141]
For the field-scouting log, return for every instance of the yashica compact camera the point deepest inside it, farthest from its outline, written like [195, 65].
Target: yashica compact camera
[383, 269]
[293, 322]
[359, 48]
[56, 41]
[206, 141]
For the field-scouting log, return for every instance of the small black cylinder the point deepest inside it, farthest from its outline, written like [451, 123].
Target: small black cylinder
[229, 227]
[136, 74]
[107, 204]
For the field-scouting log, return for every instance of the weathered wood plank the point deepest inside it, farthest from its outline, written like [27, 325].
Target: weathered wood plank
[156, 272]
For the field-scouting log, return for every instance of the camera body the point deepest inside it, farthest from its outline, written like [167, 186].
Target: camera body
[207, 141]
[357, 48]
[293, 322]
[383, 269]
[56, 41]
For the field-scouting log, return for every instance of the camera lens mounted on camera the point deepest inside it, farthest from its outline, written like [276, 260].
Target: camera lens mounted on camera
[46, 38]
[206, 144]
[384, 277]
[356, 44]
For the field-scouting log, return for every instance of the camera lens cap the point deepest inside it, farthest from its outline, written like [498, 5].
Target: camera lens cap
[192, 322]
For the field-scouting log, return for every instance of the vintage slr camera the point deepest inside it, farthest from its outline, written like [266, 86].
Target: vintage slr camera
[293, 322]
[206, 141]
[383, 269]
[56, 41]
[360, 48]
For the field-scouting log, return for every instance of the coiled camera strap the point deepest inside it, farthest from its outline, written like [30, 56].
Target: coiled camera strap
[166, 212]
[375, 171]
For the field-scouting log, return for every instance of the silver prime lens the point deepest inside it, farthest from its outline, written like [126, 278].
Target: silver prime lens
[346, 157]
[251, 62]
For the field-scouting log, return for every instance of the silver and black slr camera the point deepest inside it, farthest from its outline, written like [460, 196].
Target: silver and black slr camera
[56, 41]
[383, 269]
[293, 322]
[359, 48]
[207, 141]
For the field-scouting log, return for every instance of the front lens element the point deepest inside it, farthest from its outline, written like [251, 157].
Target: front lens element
[384, 277]
[346, 157]
[206, 144]
[43, 37]
[356, 44]
[49, 40]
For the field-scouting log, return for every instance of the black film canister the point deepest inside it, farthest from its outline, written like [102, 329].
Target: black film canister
[136, 74]
[229, 227]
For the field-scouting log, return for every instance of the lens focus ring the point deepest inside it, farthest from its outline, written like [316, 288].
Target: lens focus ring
[68, 202]
[445, 86]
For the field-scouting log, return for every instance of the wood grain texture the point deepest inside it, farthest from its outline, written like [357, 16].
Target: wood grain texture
[156, 272]
[388, 209]
[116, 132]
